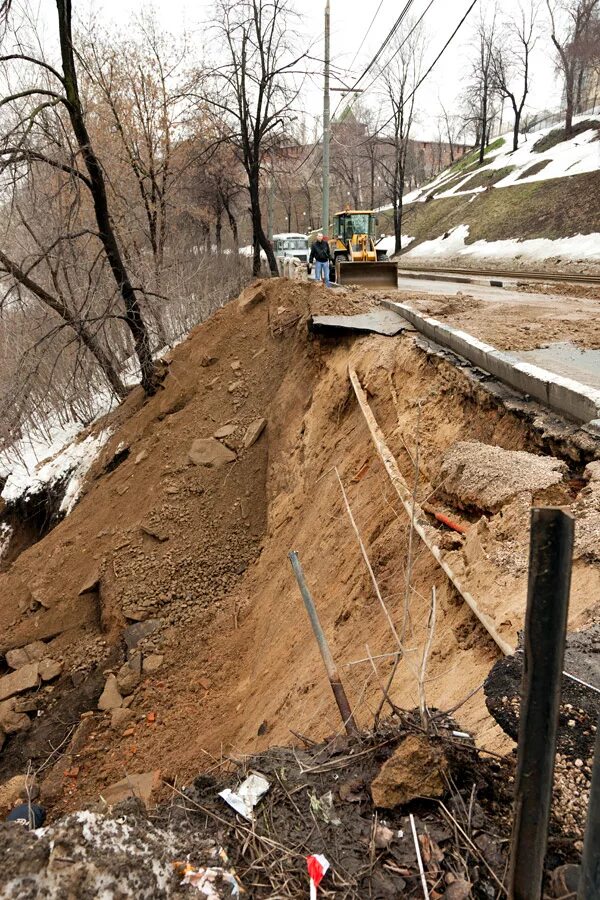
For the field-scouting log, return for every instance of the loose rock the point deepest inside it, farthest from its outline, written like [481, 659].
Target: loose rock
[415, 769]
[22, 680]
[225, 431]
[142, 786]
[251, 297]
[49, 669]
[24, 655]
[133, 634]
[12, 721]
[91, 584]
[253, 432]
[110, 697]
[15, 789]
[127, 680]
[210, 452]
[152, 663]
[120, 717]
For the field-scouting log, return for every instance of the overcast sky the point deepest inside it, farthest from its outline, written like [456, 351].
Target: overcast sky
[350, 20]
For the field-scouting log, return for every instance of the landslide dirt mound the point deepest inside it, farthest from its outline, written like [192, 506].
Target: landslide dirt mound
[198, 554]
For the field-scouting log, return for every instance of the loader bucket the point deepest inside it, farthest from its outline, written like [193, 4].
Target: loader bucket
[368, 274]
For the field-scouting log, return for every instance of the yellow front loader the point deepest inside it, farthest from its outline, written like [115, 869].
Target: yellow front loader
[357, 259]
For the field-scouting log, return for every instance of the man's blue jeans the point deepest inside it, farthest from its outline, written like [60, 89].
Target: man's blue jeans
[322, 268]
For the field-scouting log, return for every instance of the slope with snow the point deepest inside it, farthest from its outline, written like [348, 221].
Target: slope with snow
[581, 246]
[462, 227]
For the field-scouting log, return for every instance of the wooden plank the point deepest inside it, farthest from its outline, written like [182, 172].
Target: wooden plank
[404, 494]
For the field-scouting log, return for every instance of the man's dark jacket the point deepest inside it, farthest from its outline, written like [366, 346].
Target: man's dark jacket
[319, 251]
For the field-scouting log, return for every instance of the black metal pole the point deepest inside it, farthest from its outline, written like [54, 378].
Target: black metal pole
[550, 557]
[589, 884]
[332, 673]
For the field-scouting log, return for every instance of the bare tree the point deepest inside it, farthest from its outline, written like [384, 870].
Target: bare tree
[399, 79]
[481, 89]
[65, 95]
[58, 305]
[256, 87]
[577, 46]
[451, 128]
[511, 62]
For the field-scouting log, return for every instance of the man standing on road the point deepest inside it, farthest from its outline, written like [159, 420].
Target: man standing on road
[319, 252]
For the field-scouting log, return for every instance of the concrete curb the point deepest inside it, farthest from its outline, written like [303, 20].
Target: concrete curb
[455, 279]
[570, 398]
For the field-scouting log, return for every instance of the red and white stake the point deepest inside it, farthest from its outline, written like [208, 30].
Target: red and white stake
[317, 866]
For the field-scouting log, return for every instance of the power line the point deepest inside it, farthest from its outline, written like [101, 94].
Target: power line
[401, 45]
[429, 70]
[366, 71]
[385, 43]
[362, 43]
[419, 83]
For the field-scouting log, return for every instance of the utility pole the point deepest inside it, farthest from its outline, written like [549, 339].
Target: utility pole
[326, 121]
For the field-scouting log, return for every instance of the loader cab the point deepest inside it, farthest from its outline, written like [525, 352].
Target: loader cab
[354, 222]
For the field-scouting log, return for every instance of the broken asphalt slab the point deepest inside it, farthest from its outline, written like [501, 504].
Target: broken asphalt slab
[378, 321]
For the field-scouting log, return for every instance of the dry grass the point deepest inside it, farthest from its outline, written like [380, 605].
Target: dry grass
[559, 207]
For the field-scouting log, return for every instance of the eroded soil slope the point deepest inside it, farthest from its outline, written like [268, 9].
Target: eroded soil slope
[200, 552]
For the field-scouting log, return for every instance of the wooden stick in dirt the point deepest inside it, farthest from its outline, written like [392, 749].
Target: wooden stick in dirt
[589, 885]
[550, 558]
[404, 494]
[332, 673]
[419, 860]
[365, 556]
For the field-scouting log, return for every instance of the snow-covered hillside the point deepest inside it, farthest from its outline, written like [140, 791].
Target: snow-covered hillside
[573, 157]
[541, 157]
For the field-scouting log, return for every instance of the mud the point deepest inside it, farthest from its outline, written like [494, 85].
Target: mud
[319, 801]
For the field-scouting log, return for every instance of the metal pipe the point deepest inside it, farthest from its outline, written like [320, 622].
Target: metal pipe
[332, 673]
[589, 884]
[550, 558]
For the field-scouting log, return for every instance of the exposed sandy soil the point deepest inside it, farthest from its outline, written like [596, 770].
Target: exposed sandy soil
[518, 326]
[241, 671]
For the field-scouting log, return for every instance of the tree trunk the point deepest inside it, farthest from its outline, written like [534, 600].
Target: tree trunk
[87, 339]
[580, 79]
[516, 130]
[259, 237]
[234, 228]
[133, 316]
[219, 232]
[484, 106]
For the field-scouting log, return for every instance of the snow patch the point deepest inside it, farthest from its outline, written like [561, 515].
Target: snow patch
[72, 462]
[580, 246]
[389, 243]
[6, 533]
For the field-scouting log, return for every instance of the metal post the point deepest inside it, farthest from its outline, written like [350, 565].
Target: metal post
[330, 666]
[589, 884]
[550, 557]
[326, 123]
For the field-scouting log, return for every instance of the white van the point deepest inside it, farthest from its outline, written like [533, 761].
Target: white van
[291, 244]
